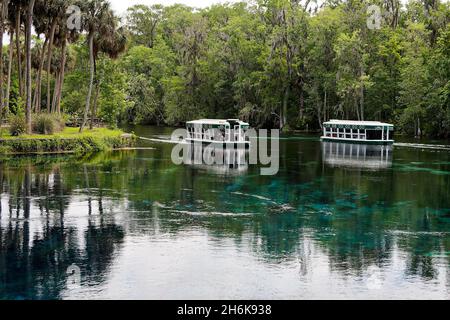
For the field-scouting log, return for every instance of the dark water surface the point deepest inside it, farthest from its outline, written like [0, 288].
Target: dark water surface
[336, 222]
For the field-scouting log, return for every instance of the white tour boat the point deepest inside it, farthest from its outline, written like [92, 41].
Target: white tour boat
[367, 132]
[230, 132]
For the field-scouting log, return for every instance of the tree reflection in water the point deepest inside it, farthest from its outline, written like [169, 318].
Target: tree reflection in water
[36, 247]
[57, 213]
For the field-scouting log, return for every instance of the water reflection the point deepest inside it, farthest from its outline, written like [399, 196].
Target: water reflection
[140, 227]
[38, 242]
[356, 155]
[217, 159]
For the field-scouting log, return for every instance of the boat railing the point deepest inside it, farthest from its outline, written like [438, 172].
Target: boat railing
[341, 135]
[235, 134]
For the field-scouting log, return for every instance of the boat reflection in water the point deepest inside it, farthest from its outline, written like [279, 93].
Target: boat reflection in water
[217, 159]
[351, 155]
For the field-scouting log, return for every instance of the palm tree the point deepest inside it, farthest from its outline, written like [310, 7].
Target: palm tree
[38, 89]
[112, 43]
[98, 20]
[29, 25]
[39, 51]
[65, 37]
[17, 8]
[41, 26]
[55, 10]
[62, 73]
[49, 59]
[8, 79]
[60, 65]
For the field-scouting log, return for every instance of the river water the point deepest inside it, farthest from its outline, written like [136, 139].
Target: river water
[336, 222]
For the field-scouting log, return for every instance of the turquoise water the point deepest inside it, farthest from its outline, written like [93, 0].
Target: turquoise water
[334, 223]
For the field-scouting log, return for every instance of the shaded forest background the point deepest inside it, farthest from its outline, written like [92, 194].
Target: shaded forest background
[275, 63]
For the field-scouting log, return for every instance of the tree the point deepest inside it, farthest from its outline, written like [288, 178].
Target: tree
[112, 44]
[3, 15]
[96, 14]
[29, 24]
[289, 36]
[55, 12]
[10, 60]
[63, 37]
[142, 22]
[148, 70]
[414, 79]
[16, 12]
[103, 36]
[186, 35]
[326, 26]
[41, 26]
[352, 79]
[111, 91]
[438, 97]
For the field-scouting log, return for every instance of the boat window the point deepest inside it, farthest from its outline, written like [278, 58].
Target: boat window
[222, 134]
[244, 133]
[227, 133]
[374, 135]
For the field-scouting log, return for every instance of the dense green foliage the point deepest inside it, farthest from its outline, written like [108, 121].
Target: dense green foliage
[275, 63]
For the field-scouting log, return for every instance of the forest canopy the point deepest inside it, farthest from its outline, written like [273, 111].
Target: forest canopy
[275, 63]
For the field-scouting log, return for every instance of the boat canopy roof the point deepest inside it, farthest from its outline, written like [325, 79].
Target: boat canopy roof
[216, 122]
[352, 124]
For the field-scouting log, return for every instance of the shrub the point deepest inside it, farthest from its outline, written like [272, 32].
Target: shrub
[16, 103]
[17, 125]
[48, 123]
[60, 121]
[43, 124]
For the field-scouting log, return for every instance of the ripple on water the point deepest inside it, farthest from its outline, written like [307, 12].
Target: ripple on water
[412, 168]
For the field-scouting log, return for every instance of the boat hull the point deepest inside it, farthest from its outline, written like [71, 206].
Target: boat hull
[379, 142]
[229, 144]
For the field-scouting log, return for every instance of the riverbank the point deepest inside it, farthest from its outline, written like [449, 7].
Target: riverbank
[69, 141]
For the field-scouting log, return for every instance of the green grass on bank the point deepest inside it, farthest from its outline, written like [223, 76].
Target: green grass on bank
[67, 141]
[66, 133]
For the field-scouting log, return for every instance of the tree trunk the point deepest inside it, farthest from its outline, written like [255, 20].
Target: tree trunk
[95, 104]
[28, 59]
[91, 81]
[4, 12]
[362, 102]
[56, 89]
[319, 114]
[19, 60]
[302, 101]
[357, 108]
[38, 90]
[283, 117]
[49, 62]
[8, 84]
[419, 130]
[63, 72]
[323, 113]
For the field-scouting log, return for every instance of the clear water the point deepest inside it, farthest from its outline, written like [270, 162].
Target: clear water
[328, 226]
